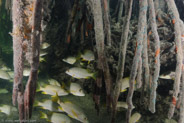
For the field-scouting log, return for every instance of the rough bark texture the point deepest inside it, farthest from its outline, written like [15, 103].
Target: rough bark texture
[157, 56]
[179, 55]
[140, 36]
[122, 55]
[107, 26]
[99, 36]
[120, 10]
[18, 15]
[71, 20]
[139, 74]
[97, 89]
[181, 120]
[35, 42]
[146, 70]
[181, 99]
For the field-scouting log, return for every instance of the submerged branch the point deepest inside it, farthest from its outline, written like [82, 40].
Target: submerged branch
[152, 18]
[140, 36]
[107, 22]
[99, 36]
[35, 42]
[18, 37]
[181, 103]
[120, 10]
[179, 55]
[71, 21]
[122, 55]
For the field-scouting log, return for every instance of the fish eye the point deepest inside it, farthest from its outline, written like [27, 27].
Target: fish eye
[85, 118]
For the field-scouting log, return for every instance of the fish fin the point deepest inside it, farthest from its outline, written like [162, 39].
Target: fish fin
[74, 113]
[60, 108]
[88, 77]
[43, 115]
[63, 85]
[44, 92]
[43, 108]
[68, 91]
[11, 80]
[39, 71]
[82, 64]
[38, 88]
[35, 104]
[83, 60]
[94, 75]
[72, 91]
[64, 60]
[42, 59]
[78, 56]
[136, 121]
[68, 102]
[70, 116]
[55, 98]
[124, 90]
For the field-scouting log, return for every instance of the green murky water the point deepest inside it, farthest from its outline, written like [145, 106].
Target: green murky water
[86, 103]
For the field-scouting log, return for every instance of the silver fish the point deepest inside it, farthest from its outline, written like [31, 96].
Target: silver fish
[52, 90]
[45, 45]
[135, 117]
[88, 56]
[70, 60]
[56, 118]
[3, 91]
[4, 75]
[7, 109]
[80, 73]
[76, 89]
[124, 84]
[73, 111]
[47, 105]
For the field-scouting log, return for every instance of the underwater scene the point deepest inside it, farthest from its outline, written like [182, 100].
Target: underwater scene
[91, 61]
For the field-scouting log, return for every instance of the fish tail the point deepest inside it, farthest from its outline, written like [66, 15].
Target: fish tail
[83, 60]
[11, 80]
[78, 56]
[38, 89]
[124, 90]
[35, 104]
[55, 98]
[43, 115]
[63, 85]
[94, 75]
